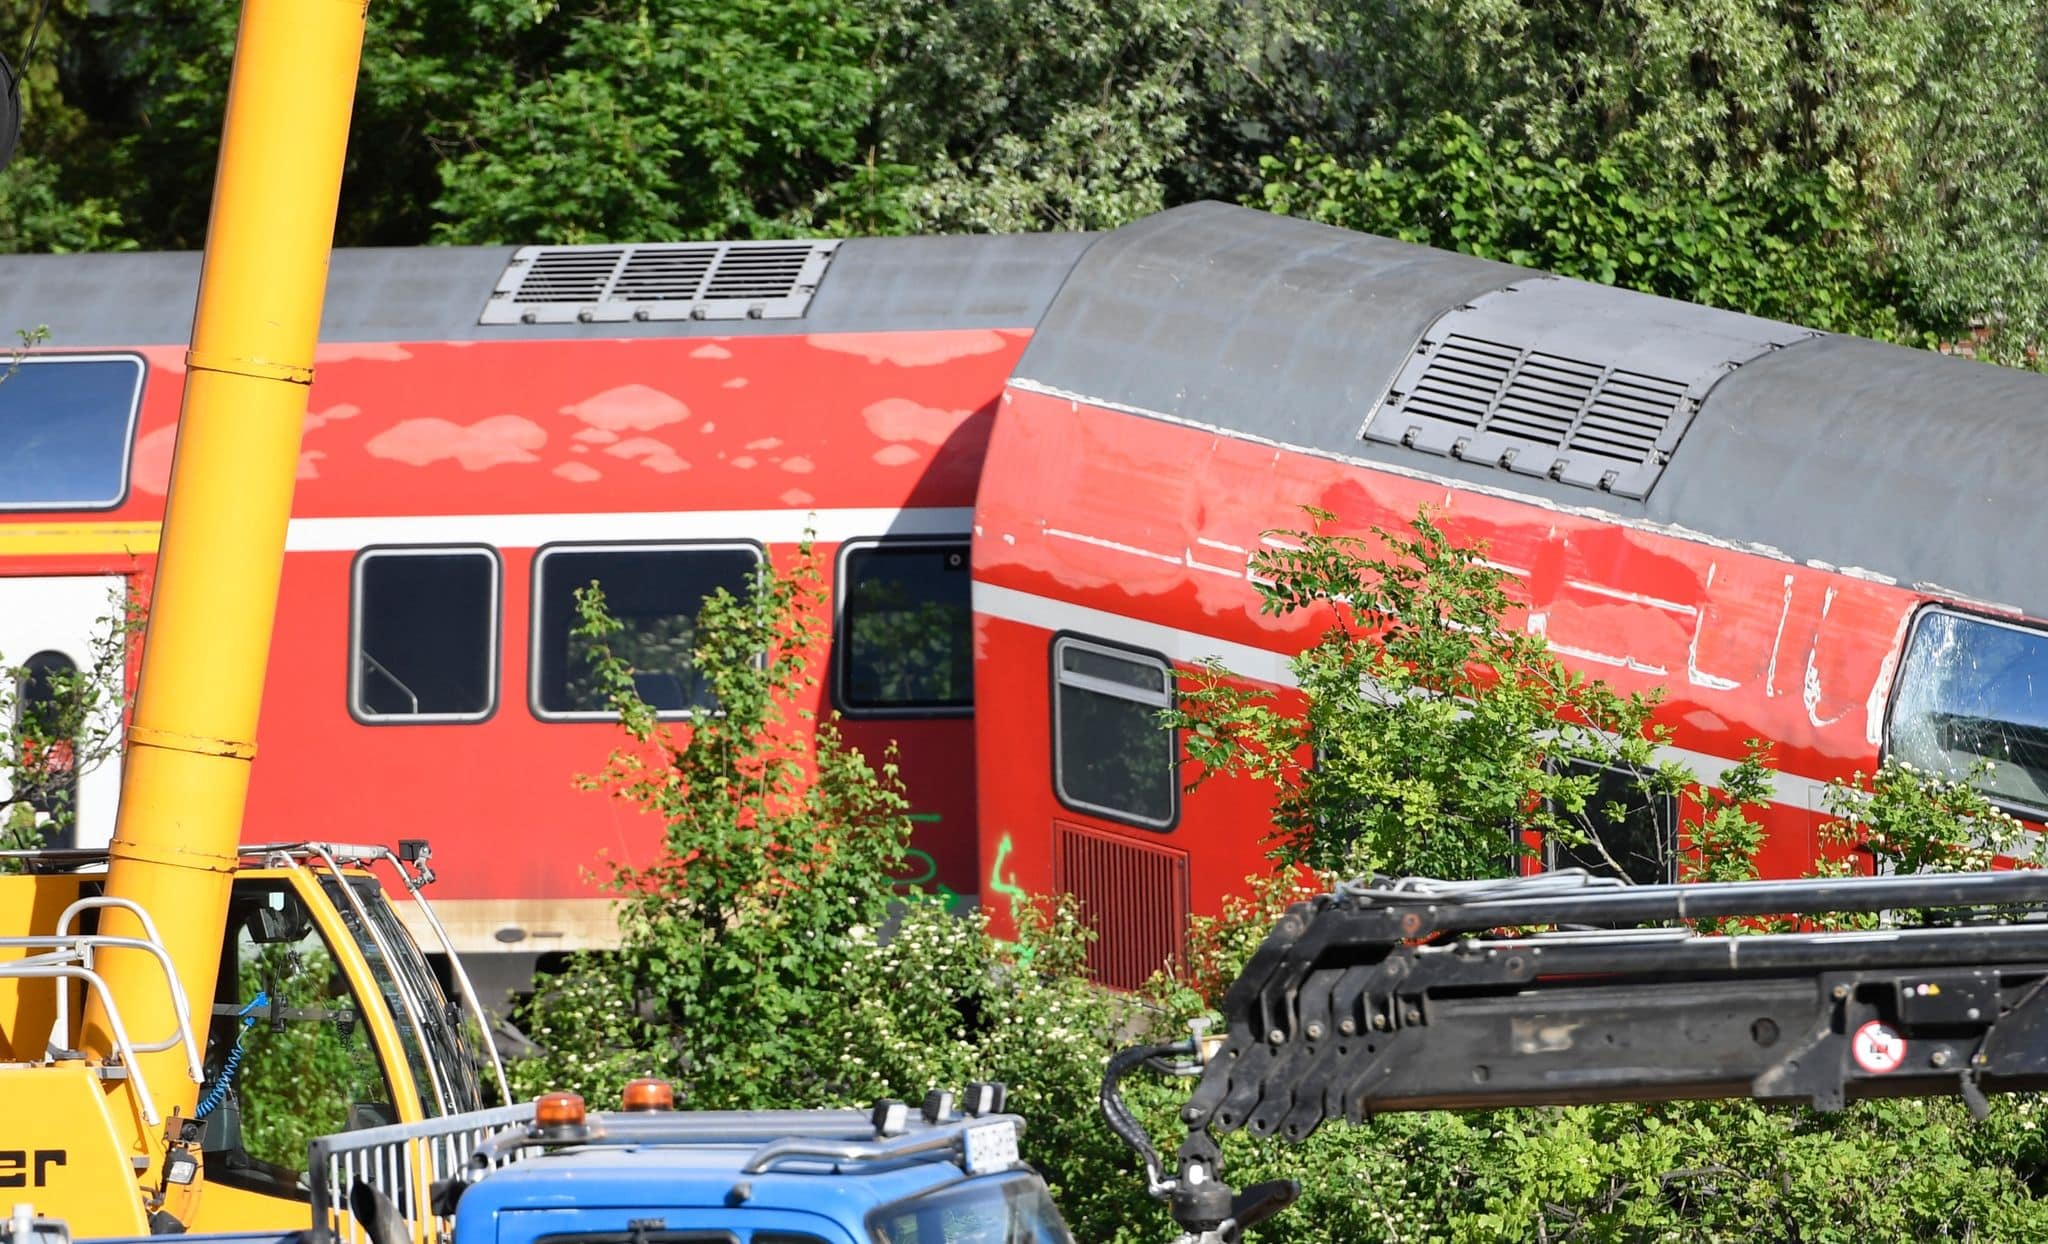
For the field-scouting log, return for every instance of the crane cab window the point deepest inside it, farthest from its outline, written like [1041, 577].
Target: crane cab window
[288, 1054]
[1972, 690]
[67, 424]
[1111, 755]
[655, 593]
[424, 635]
[906, 629]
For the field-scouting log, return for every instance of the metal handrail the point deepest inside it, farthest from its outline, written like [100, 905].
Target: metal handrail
[935, 1141]
[40, 968]
[1567, 899]
[403, 1161]
[836, 1135]
[64, 955]
[180, 1005]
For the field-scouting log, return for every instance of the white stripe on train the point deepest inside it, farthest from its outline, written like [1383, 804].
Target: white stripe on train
[529, 531]
[1270, 666]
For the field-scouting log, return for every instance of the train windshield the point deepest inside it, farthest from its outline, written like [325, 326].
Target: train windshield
[1974, 691]
[996, 1209]
[66, 426]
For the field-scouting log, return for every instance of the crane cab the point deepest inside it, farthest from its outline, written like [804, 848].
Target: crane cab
[325, 1019]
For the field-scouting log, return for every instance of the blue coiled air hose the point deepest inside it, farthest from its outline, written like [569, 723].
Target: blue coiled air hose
[226, 1079]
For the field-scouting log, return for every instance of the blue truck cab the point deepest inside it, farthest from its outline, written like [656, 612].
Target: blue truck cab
[549, 1172]
[945, 1173]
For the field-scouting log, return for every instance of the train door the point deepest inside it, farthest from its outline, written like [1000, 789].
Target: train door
[49, 629]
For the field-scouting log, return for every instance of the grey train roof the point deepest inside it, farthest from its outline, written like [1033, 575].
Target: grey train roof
[1830, 449]
[437, 293]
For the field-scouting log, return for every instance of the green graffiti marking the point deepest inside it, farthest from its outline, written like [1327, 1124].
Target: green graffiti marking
[931, 867]
[997, 884]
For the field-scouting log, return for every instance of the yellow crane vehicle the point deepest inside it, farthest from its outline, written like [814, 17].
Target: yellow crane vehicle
[325, 1018]
[180, 1013]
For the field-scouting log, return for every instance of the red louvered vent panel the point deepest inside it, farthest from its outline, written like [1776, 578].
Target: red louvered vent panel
[1134, 895]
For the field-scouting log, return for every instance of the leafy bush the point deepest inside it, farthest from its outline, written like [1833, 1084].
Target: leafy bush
[768, 958]
[750, 989]
[1789, 249]
[58, 724]
[1430, 738]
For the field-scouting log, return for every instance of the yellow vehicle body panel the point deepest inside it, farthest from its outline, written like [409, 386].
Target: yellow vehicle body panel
[28, 1008]
[78, 1136]
[60, 1150]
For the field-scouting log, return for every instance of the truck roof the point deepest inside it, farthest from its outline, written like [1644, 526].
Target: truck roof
[789, 1176]
[701, 1175]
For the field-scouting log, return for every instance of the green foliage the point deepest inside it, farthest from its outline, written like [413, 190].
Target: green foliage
[1432, 739]
[36, 215]
[667, 119]
[58, 724]
[298, 1080]
[1420, 697]
[1913, 821]
[1788, 249]
[1922, 120]
[778, 847]
[767, 957]
[1858, 164]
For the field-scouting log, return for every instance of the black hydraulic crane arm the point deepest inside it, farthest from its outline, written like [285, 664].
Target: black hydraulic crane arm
[1420, 995]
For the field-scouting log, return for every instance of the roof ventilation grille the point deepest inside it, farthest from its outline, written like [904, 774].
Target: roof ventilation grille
[1580, 384]
[662, 281]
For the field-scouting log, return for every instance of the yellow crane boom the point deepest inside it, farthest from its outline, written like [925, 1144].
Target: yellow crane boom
[247, 373]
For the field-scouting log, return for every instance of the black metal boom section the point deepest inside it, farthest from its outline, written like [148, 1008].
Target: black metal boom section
[1420, 995]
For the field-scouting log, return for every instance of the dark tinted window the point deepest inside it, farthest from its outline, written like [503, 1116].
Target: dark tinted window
[426, 634]
[1000, 1209]
[1111, 755]
[906, 634]
[45, 769]
[1972, 690]
[65, 429]
[1631, 833]
[655, 594]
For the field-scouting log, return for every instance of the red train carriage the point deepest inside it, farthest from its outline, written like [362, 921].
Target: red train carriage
[1810, 539]
[1815, 540]
[490, 430]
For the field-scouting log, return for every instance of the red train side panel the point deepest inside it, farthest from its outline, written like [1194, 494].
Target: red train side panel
[1743, 515]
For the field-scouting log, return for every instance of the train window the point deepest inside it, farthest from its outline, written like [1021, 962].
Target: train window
[67, 424]
[1111, 755]
[1971, 690]
[45, 736]
[424, 635]
[906, 628]
[1633, 833]
[655, 592]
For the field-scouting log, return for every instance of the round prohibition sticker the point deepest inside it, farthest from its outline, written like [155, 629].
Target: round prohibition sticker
[1877, 1048]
